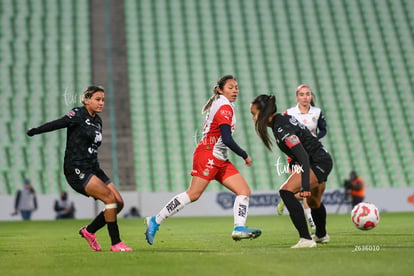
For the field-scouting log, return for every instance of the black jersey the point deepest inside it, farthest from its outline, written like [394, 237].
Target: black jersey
[288, 132]
[84, 136]
[297, 142]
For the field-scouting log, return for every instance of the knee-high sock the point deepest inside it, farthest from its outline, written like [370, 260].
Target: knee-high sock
[319, 217]
[296, 213]
[113, 232]
[176, 204]
[240, 210]
[97, 223]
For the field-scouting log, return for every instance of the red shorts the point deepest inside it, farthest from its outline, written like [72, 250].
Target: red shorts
[206, 166]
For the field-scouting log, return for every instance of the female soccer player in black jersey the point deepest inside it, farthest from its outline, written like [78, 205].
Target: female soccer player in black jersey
[296, 141]
[81, 166]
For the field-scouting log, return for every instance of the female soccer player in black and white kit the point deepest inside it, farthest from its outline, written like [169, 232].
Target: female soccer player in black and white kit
[81, 166]
[297, 142]
[312, 117]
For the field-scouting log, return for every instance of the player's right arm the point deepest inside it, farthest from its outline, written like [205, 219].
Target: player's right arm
[49, 126]
[63, 122]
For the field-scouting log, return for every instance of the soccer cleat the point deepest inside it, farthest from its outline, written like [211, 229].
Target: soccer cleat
[120, 247]
[152, 228]
[324, 239]
[243, 232]
[280, 207]
[304, 243]
[90, 238]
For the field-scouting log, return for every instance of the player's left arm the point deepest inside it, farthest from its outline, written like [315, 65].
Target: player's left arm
[293, 142]
[228, 140]
[224, 118]
[322, 126]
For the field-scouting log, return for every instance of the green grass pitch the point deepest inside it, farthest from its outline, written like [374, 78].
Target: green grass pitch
[203, 246]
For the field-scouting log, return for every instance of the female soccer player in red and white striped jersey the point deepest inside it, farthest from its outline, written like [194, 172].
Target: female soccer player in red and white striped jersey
[210, 162]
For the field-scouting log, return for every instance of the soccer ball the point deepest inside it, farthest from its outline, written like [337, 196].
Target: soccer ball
[365, 216]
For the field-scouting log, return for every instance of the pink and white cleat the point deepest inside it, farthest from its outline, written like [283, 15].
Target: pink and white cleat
[90, 238]
[120, 247]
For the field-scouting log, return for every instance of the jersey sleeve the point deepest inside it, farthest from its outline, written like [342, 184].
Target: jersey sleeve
[303, 159]
[224, 115]
[322, 126]
[293, 142]
[71, 118]
[225, 131]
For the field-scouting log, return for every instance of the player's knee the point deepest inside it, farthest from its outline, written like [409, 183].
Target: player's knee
[247, 193]
[120, 205]
[313, 203]
[194, 196]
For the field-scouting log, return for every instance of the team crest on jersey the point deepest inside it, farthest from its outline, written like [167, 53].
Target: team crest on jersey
[206, 172]
[79, 173]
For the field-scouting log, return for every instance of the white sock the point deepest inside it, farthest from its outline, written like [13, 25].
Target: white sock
[309, 216]
[240, 210]
[172, 207]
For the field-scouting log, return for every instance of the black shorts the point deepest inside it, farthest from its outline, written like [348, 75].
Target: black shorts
[78, 178]
[322, 169]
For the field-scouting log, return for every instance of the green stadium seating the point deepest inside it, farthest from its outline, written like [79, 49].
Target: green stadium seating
[45, 49]
[356, 55]
[272, 47]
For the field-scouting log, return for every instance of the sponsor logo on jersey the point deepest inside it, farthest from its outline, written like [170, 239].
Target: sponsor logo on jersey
[92, 150]
[293, 121]
[226, 113]
[98, 137]
[89, 123]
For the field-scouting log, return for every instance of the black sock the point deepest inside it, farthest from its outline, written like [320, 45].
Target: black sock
[97, 223]
[113, 232]
[319, 217]
[296, 213]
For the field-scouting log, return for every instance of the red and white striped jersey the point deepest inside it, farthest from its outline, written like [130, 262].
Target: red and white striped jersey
[221, 112]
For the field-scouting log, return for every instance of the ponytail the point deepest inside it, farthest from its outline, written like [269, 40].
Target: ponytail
[210, 101]
[266, 104]
[216, 94]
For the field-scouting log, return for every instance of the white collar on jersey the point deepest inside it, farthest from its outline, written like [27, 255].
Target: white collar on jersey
[311, 109]
[222, 98]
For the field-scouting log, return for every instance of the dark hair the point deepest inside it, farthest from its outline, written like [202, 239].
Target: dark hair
[89, 91]
[266, 104]
[219, 85]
